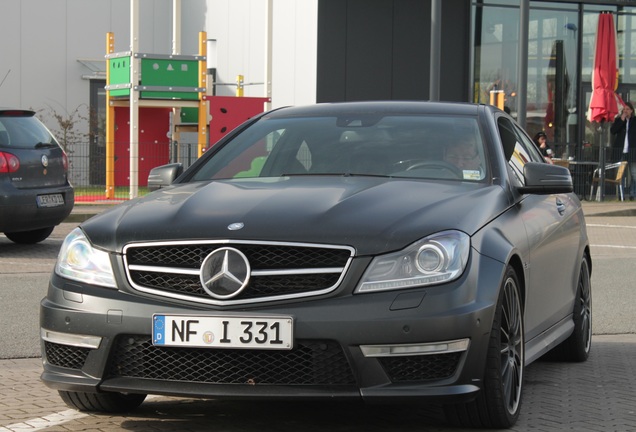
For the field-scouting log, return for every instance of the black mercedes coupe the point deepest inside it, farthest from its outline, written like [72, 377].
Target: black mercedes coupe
[378, 251]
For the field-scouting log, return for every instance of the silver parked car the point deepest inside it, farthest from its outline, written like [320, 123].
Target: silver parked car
[35, 194]
[376, 251]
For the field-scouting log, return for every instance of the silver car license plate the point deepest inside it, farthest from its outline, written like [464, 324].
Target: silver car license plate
[253, 332]
[50, 200]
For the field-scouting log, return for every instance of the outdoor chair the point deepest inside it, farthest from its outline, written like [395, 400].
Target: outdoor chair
[616, 180]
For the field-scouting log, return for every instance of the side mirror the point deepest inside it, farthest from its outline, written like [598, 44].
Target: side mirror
[545, 179]
[163, 175]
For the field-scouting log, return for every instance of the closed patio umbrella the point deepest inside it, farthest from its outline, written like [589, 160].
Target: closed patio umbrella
[604, 101]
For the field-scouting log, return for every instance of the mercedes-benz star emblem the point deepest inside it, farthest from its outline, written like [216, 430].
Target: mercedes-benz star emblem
[225, 273]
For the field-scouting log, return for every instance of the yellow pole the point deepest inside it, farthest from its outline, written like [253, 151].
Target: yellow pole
[203, 83]
[500, 100]
[110, 125]
[497, 98]
[239, 86]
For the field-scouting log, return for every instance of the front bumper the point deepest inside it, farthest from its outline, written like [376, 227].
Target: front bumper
[387, 346]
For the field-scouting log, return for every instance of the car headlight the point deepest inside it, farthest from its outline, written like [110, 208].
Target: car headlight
[80, 261]
[436, 259]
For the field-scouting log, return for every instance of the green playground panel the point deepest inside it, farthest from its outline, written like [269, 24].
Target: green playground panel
[119, 68]
[156, 72]
[169, 73]
[189, 115]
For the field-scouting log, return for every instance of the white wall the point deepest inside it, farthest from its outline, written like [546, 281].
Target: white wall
[295, 52]
[41, 40]
[239, 26]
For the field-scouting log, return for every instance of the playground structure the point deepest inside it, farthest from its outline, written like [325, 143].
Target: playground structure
[159, 96]
[169, 82]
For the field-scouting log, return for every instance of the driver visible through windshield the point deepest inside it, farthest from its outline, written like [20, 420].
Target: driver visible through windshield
[413, 146]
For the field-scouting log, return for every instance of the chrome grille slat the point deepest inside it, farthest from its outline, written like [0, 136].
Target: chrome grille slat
[279, 270]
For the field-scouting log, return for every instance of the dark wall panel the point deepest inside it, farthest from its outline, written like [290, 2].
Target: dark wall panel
[411, 48]
[332, 44]
[456, 48]
[369, 49]
[380, 49]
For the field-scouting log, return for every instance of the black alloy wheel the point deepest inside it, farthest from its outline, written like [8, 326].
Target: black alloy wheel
[577, 347]
[499, 402]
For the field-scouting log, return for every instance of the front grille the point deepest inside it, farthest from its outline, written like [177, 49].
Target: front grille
[277, 270]
[309, 363]
[65, 356]
[422, 367]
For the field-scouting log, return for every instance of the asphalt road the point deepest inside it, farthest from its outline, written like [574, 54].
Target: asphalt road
[25, 271]
[593, 396]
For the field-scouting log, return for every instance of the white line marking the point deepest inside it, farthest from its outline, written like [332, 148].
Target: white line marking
[611, 226]
[613, 246]
[51, 420]
[45, 422]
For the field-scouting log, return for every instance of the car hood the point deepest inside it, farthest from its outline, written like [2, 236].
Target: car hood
[371, 214]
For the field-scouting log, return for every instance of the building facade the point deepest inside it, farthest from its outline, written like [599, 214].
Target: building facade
[323, 51]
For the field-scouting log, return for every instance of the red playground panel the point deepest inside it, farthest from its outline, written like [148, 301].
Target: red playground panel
[154, 144]
[229, 112]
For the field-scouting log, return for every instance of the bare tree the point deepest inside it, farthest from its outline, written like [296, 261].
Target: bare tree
[69, 128]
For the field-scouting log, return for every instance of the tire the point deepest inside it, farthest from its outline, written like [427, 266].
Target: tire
[498, 404]
[577, 347]
[102, 402]
[30, 237]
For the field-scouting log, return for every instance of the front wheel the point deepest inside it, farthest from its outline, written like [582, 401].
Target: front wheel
[499, 402]
[102, 402]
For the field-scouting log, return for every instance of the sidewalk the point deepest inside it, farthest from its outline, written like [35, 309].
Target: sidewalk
[592, 396]
[609, 208]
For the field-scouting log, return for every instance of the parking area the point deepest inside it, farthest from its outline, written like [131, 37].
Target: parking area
[597, 395]
[593, 396]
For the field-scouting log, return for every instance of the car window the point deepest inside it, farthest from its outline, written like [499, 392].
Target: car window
[23, 132]
[523, 149]
[414, 146]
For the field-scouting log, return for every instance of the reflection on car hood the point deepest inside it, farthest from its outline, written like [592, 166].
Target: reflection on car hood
[371, 214]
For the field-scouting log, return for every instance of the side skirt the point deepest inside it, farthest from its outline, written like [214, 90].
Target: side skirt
[550, 338]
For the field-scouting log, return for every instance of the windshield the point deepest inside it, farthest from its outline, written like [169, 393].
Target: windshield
[372, 145]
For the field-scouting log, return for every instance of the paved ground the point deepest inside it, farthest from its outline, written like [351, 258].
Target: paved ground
[597, 395]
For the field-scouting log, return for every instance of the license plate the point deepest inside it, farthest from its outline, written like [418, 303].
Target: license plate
[52, 200]
[253, 332]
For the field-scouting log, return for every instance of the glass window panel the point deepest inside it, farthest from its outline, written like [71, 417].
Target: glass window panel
[552, 60]
[552, 103]
[626, 43]
[496, 41]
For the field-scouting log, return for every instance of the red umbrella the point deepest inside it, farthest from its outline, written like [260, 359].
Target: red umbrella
[603, 105]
